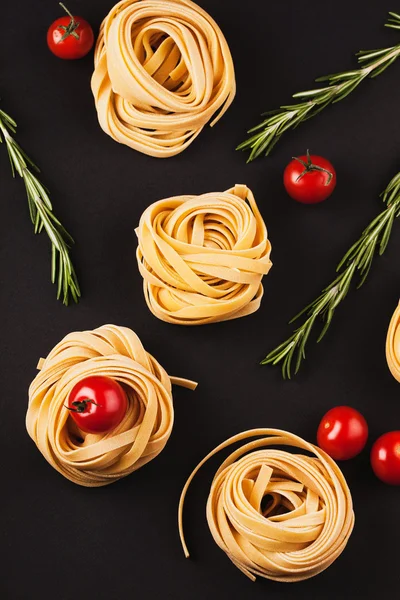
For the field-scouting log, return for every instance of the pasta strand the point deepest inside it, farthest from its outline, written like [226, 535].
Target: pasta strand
[202, 258]
[393, 344]
[278, 515]
[163, 69]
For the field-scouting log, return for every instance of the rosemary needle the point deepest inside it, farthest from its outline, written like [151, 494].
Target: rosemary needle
[372, 63]
[41, 213]
[358, 259]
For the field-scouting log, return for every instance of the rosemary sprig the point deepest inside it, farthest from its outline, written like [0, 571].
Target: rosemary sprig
[41, 213]
[358, 259]
[339, 85]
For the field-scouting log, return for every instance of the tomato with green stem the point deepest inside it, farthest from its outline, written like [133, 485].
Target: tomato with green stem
[309, 179]
[70, 37]
[97, 404]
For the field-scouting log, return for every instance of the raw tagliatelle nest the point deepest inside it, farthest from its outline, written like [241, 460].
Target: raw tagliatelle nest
[393, 344]
[94, 460]
[279, 515]
[163, 69]
[202, 258]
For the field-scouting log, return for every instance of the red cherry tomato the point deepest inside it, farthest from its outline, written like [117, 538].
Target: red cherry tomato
[97, 404]
[342, 433]
[309, 179]
[70, 37]
[385, 458]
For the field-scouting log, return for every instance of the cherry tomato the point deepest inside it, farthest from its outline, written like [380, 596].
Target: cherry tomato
[70, 37]
[309, 179]
[97, 404]
[385, 458]
[342, 433]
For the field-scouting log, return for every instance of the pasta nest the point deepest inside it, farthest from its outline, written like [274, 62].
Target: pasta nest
[278, 515]
[162, 70]
[202, 258]
[393, 344]
[94, 460]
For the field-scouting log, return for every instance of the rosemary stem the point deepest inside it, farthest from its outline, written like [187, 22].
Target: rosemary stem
[372, 63]
[41, 213]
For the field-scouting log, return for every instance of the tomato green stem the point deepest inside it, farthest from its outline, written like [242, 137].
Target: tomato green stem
[67, 11]
[309, 166]
[81, 405]
[71, 27]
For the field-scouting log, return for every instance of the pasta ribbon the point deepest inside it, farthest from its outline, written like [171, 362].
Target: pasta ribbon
[94, 460]
[202, 258]
[393, 344]
[277, 515]
[162, 70]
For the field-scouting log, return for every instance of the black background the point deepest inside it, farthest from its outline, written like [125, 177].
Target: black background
[63, 541]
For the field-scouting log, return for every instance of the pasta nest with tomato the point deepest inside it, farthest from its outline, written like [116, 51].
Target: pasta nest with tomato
[163, 69]
[202, 258]
[276, 514]
[393, 344]
[94, 460]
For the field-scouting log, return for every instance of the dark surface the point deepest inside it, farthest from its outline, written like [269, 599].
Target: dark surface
[63, 541]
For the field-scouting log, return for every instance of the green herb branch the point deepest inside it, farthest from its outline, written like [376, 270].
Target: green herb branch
[266, 134]
[41, 213]
[358, 259]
